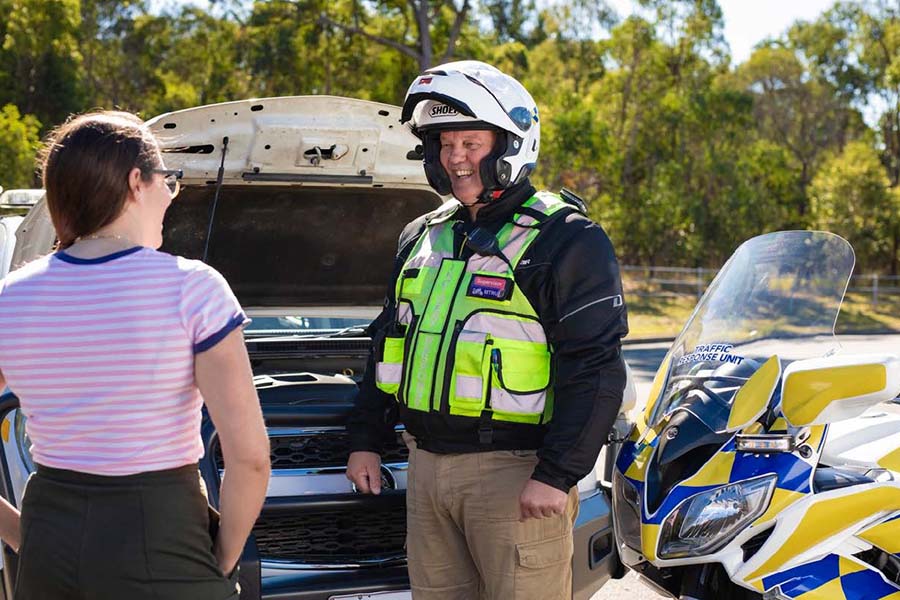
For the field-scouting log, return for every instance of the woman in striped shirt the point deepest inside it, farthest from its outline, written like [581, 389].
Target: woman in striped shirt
[112, 348]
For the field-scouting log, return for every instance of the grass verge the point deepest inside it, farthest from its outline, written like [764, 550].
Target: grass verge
[664, 316]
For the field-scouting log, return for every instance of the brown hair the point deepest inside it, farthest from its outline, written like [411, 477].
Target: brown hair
[85, 166]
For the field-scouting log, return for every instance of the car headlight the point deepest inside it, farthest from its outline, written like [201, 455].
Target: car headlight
[704, 523]
[23, 442]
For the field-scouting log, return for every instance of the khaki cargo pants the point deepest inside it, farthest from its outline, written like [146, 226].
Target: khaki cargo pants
[464, 538]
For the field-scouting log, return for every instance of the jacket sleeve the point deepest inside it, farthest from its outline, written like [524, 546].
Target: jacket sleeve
[374, 414]
[584, 314]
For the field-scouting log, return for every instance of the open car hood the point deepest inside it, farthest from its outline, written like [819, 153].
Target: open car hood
[315, 191]
[296, 139]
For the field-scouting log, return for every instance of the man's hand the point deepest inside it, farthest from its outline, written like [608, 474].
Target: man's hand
[539, 500]
[364, 470]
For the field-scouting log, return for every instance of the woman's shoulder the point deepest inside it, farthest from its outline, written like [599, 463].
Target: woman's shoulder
[27, 272]
[189, 267]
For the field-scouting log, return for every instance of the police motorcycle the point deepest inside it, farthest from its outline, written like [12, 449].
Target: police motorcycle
[725, 486]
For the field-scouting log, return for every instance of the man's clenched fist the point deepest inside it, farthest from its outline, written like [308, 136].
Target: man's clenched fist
[364, 470]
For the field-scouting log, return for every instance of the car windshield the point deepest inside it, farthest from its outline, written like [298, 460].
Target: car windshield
[779, 294]
[293, 325]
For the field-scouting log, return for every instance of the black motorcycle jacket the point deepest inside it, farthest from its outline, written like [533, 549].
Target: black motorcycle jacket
[570, 275]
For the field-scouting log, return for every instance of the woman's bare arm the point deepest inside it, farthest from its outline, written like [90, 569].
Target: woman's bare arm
[225, 379]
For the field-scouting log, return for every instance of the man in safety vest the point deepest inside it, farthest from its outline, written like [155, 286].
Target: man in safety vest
[499, 343]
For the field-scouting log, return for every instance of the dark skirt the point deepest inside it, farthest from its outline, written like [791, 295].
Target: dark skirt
[95, 537]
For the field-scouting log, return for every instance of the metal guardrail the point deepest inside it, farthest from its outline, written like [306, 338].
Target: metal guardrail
[692, 281]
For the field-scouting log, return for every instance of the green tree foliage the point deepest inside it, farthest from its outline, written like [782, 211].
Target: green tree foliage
[678, 152]
[39, 58]
[18, 143]
[851, 196]
[803, 114]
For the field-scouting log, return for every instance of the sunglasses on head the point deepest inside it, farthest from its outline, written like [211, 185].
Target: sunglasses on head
[171, 177]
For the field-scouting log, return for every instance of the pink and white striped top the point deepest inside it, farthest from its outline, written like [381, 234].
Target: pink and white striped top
[101, 352]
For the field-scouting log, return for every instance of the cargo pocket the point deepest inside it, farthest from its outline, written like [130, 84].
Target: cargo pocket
[544, 569]
[520, 381]
[471, 372]
[389, 370]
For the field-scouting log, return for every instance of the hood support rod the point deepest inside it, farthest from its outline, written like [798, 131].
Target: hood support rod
[212, 210]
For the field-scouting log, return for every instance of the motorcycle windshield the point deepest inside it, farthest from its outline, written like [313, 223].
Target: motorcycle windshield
[778, 294]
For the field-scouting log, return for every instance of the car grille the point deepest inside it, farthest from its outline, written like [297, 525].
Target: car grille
[321, 449]
[350, 535]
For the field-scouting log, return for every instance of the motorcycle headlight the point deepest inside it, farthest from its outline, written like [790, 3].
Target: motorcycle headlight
[23, 442]
[704, 523]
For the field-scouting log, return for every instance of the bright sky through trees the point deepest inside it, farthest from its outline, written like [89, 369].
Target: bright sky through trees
[748, 22]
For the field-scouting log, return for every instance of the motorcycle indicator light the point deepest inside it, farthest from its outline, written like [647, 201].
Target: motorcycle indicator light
[761, 443]
[626, 508]
[705, 522]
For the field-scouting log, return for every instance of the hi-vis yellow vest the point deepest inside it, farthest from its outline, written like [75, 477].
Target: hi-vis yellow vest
[466, 340]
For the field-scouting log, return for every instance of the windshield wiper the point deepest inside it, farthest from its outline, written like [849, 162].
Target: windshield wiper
[354, 331]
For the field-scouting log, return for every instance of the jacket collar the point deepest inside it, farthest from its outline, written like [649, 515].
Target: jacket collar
[501, 209]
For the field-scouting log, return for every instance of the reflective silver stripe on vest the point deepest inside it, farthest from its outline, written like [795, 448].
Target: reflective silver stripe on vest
[468, 386]
[495, 264]
[472, 336]
[525, 220]
[487, 264]
[429, 260]
[512, 329]
[517, 403]
[426, 255]
[404, 313]
[388, 372]
[542, 203]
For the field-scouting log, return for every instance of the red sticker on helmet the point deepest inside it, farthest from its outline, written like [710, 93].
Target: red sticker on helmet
[425, 81]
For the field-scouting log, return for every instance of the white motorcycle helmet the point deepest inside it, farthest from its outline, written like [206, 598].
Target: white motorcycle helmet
[470, 94]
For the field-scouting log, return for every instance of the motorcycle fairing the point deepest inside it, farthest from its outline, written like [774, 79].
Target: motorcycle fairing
[752, 400]
[884, 535]
[834, 577]
[794, 479]
[779, 294]
[891, 461]
[818, 525]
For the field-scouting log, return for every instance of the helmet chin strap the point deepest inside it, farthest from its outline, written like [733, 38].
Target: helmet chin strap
[485, 197]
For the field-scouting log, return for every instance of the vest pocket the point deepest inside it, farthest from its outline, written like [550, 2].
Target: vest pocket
[411, 282]
[389, 370]
[471, 372]
[520, 378]
[389, 367]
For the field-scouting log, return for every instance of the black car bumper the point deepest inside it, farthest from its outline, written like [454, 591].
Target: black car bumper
[321, 585]
[594, 562]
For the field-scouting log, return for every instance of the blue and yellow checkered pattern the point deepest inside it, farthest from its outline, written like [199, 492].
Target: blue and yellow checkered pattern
[833, 578]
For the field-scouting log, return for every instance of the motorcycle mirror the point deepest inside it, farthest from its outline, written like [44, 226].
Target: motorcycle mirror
[819, 391]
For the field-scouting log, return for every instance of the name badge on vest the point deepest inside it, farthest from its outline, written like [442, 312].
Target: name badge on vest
[490, 288]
